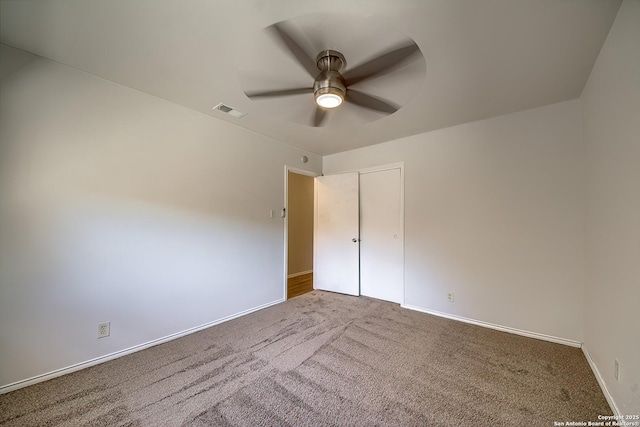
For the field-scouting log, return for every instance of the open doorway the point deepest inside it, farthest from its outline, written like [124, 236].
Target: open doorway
[300, 215]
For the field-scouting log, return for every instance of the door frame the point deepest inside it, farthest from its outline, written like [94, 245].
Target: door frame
[288, 169]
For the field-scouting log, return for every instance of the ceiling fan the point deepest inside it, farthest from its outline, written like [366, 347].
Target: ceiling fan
[331, 86]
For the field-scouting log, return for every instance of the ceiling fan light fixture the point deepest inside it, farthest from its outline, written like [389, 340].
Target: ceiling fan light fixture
[329, 89]
[328, 99]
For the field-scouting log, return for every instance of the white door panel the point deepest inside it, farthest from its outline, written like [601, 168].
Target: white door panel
[381, 246]
[337, 256]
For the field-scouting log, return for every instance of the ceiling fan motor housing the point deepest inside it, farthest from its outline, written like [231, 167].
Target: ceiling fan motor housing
[329, 82]
[330, 62]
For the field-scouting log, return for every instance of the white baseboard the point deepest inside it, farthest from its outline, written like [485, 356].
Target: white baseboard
[82, 365]
[302, 273]
[529, 334]
[605, 390]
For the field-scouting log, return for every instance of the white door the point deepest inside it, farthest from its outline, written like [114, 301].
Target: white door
[336, 265]
[381, 234]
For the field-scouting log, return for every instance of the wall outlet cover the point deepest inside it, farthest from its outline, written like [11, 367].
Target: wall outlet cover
[104, 329]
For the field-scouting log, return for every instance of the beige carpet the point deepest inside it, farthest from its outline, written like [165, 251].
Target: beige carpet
[324, 359]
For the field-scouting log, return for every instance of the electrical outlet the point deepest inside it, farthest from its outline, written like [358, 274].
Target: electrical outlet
[104, 329]
[616, 369]
[450, 297]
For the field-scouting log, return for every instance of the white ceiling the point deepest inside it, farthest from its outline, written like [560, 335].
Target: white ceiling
[482, 58]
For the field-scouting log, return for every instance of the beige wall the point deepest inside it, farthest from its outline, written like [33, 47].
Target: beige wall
[300, 231]
[494, 213]
[611, 103]
[119, 206]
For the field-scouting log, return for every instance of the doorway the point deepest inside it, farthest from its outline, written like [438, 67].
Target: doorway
[299, 224]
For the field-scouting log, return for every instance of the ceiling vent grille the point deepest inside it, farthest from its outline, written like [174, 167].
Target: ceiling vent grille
[229, 110]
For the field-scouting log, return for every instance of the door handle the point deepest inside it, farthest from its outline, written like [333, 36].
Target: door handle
[354, 240]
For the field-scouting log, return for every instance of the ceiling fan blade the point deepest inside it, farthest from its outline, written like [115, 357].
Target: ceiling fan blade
[319, 117]
[282, 92]
[298, 53]
[382, 64]
[370, 102]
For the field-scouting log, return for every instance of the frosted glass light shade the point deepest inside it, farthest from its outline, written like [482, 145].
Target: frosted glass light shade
[329, 100]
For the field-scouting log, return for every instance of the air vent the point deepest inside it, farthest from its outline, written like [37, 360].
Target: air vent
[229, 110]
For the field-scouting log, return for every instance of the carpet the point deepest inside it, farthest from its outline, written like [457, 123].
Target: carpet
[324, 359]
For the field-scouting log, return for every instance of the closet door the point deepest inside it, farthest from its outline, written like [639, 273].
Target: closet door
[382, 236]
[337, 257]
